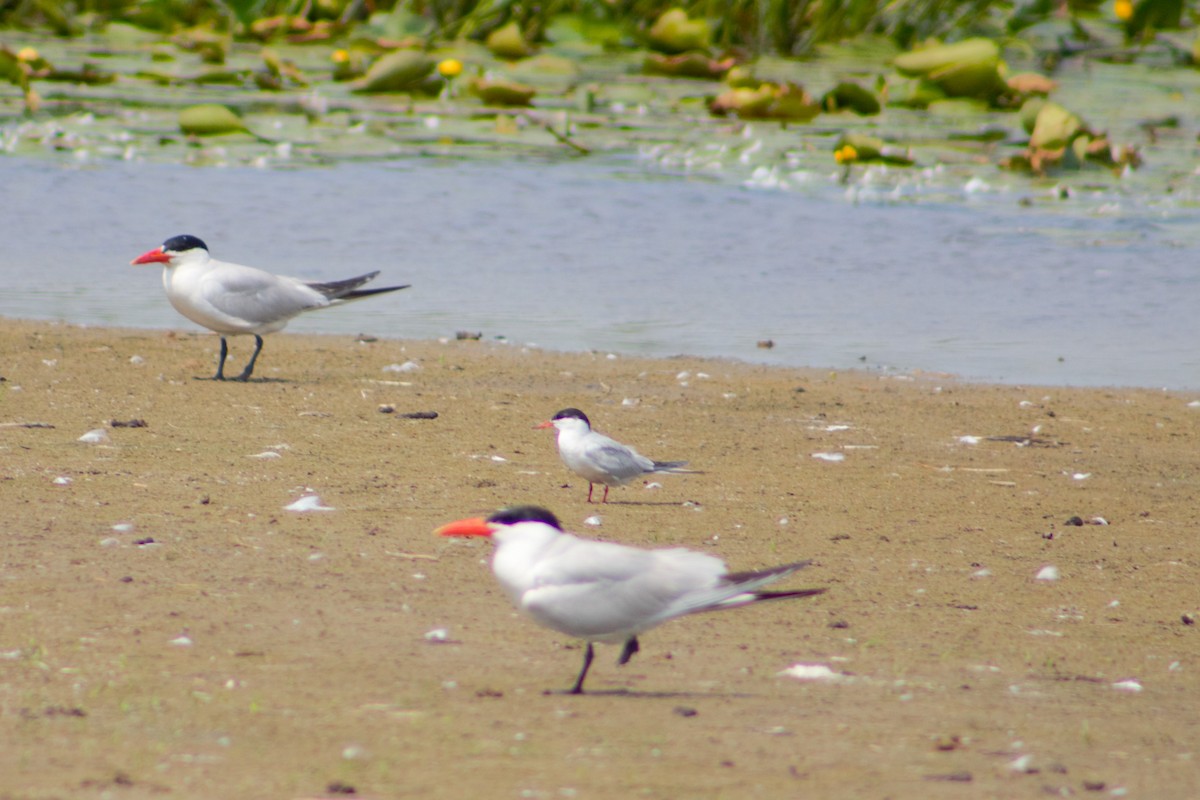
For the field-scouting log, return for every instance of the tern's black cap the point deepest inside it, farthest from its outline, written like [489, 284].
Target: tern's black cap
[572, 413]
[179, 244]
[511, 516]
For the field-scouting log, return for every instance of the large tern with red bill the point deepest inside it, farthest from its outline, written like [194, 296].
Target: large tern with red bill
[232, 300]
[599, 459]
[605, 592]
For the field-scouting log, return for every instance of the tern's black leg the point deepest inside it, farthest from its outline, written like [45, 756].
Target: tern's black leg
[588, 654]
[631, 647]
[245, 376]
[220, 376]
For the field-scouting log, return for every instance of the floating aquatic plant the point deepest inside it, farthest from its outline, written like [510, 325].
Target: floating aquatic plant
[1059, 139]
[502, 92]
[210, 119]
[401, 71]
[687, 65]
[509, 42]
[787, 102]
[969, 68]
[674, 32]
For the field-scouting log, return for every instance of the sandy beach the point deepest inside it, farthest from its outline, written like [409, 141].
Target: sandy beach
[1012, 578]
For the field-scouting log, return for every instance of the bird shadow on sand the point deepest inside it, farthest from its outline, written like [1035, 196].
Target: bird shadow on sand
[639, 503]
[636, 695]
[248, 380]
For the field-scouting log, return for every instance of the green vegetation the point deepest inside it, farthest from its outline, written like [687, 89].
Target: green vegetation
[863, 80]
[755, 27]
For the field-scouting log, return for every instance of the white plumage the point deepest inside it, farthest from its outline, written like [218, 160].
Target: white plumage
[598, 459]
[232, 299]
[605, 592]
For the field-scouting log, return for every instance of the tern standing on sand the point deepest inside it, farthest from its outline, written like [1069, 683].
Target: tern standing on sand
[605, 592]
[599, 459]
[231, 299]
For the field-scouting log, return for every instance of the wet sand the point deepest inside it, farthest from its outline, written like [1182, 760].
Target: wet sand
[167, 629]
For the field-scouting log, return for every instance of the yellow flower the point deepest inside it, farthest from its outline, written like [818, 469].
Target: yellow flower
[845, 154]
[339, 56]
[1123, 9]
[27, 54]
[450, 67]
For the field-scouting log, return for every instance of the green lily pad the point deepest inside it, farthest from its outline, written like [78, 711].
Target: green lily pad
[210, 119]
[787, 102]
[851, 97]
[970, 68]
[400, 71]
[912, 92]
[502, 92]
[1029, 112]
[687, 65]
[674, 32]
[508, 42]
[12, 70]
[1054, 127]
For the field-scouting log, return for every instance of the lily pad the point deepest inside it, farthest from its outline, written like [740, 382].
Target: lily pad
[508, 42]
[1054, 127]
[1061, 141]
[210, 119]
[1029, 112]
[787, 102]
[12, 69]
[502, 92]
[970, 68]
[687, 65]
[16, 70]
[674, 32]
[400, 71]
[912, 92]
[851, 97]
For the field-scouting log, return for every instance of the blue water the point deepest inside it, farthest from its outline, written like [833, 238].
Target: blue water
[606, 254]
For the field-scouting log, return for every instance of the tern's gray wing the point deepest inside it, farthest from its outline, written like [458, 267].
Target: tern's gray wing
[616, 459]
[256, 296]
[601, 591]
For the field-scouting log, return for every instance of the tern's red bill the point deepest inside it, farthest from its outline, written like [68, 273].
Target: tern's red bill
[472, 526]
[155, 256]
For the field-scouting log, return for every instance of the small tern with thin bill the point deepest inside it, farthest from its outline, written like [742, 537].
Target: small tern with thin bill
[605, 592]
[599, 459]
[232, 300]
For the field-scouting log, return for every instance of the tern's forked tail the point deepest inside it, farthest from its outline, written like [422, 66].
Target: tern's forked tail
[347, 289]
[750, 579]
[676, 467]
[784, 595]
